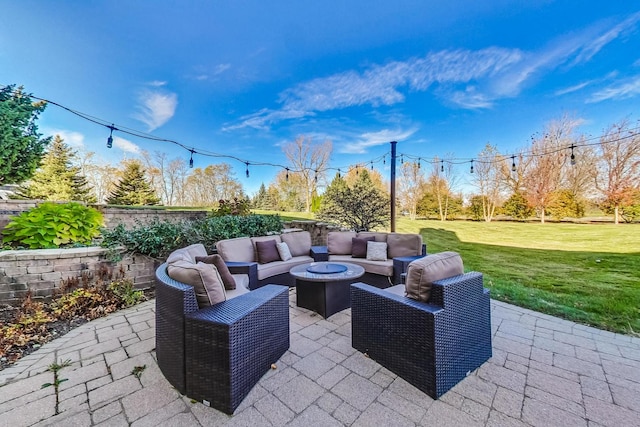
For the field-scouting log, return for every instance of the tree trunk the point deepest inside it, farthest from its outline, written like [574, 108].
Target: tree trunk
[616, 212]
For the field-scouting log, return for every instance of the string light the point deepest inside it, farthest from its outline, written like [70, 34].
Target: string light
[384, 160]
[357, 171]
[247, 171]
[371, 165]
[191, 159]
[287, 175]
[315, 177]
[513, 163]
[573, 157]
[441, 165]
[419, 162]
[110, 139]
[339, 176]
[402, 159]
[471, 170]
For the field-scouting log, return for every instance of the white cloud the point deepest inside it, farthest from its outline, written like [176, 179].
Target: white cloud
[155, 108]
[157, 83]
[594, 46]
[213, 73]
[626, 89]
[126, 145]
[372, 139]
[573, 88]
[70, 137]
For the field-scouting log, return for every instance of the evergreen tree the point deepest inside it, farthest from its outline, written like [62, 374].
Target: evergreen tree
[361, 207]
[20, 144]
[518, 207]
[133, 188]
[57, 178]
[260, 201]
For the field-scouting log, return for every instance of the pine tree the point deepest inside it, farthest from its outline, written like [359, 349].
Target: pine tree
[133, 188]
[57, 178]
[21, 146]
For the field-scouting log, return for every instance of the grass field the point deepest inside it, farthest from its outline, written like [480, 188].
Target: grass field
[588, 273]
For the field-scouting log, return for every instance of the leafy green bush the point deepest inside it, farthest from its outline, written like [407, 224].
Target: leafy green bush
[52, 225]
[159, 238]
[232, 207]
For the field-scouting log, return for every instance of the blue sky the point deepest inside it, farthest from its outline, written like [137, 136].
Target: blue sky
[244, 77]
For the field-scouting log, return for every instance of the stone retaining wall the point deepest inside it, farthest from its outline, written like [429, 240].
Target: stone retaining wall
[318, 230]
[44, 270]
[112, 215]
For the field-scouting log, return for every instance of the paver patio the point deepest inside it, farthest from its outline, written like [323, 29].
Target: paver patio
[544, 372]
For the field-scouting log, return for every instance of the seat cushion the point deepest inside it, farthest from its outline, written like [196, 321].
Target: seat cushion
[339, 242]
[400, 244]
[239, 249]
[359, 246]
[280, 267]
[299, 242]
[204, 278]
[422, 272]
[227, 278]
[381, 268]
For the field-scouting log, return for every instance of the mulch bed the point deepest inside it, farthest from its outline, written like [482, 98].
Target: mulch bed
[53, 330]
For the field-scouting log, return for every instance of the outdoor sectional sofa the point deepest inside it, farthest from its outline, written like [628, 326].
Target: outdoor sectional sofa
[216, 354]
[246, 255]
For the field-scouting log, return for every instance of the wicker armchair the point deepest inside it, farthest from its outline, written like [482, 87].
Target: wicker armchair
[217, 354]
[431, 345]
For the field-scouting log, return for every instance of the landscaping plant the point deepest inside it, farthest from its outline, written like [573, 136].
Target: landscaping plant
[53, 225]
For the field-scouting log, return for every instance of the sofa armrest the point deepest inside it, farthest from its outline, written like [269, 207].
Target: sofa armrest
[248, 268]
[319, 253]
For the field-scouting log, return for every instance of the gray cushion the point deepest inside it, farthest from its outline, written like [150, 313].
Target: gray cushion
[422, 272]
[284, 251]
[299, 242]
[204, 278]
[376, 251]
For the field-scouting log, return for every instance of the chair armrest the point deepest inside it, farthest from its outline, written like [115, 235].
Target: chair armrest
[400, 265]
[424, 249]
[248, 268]
[319, 253]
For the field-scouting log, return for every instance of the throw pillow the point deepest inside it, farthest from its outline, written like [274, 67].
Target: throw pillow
[376, 251]
[283, 251]
[204, 278]
[422, 272]
[227, 279]
[359, 246]
[267, 251]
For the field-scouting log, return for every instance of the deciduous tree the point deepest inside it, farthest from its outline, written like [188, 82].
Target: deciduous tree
[488, 180]
[411, 187]
[308, 161]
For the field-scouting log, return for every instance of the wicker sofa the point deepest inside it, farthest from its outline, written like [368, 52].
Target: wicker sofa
[217, 354]
[401, 249]
[241, 255]
[434, 344]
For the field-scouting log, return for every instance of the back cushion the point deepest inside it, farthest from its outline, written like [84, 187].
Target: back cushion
[204, 278]
[404, 245]
[422, 272]
[299, 242]
[379, 237]
[188, 253]
[239, 249]
[339, 242]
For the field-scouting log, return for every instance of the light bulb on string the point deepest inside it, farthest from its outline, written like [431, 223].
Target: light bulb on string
[287, 175]
[339, 176]
[418, 162]
[402, 159]
[513, 163]
[371, 165]
[191, 160]
[315, 177]
[110, 139]
[247, 171]
[441, 165]
[357, 171]
[573, 156]
[471, 169]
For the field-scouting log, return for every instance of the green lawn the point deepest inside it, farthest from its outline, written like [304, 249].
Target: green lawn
[588, 273]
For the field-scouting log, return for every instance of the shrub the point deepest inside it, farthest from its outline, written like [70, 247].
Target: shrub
[232, 207]
[159, 238]
[52, 225]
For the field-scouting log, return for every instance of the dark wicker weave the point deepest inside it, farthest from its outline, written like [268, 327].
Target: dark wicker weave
[217, 354]
[431, 345]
